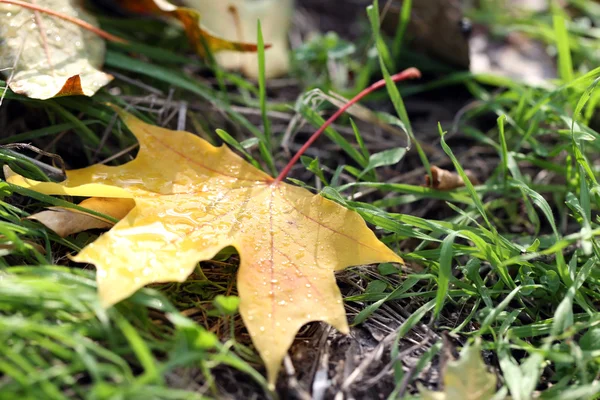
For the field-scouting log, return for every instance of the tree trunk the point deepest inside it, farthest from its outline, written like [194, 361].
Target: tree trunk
[436, 27]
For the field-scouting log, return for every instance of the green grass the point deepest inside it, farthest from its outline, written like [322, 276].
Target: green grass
[511, 261]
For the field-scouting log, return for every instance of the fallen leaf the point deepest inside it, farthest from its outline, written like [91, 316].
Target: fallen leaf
[8, 247]
[446, 180]
[237, 20]
[67, 221]
[45, 56]
[198, 36]
[517, 57]
[192, 200]
[466, 378]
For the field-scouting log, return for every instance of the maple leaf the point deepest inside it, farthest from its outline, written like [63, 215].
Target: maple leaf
[198, 36]
[466, 378]
[193, 199]
[45, 56]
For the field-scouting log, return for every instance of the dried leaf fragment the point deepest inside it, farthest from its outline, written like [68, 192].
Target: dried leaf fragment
[191, 201]
[8, 247]
[198, 36]
[67, 221]
[51, 57]
[466, 378]
[446, 180]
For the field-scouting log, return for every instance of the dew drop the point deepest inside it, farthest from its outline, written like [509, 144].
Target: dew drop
[308, 285]
[262, 328]
[282, 303]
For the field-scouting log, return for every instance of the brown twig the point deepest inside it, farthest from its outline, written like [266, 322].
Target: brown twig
[103, 34]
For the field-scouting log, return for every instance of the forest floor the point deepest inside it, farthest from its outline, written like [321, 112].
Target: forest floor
[509, 261]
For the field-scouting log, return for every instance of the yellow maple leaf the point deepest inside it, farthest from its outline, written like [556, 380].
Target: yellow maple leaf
[193, 199]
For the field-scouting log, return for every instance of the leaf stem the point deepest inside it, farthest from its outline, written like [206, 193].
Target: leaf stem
[410, 73]
[85, 25]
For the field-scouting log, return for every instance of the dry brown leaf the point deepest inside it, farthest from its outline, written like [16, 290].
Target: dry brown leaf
[446, 180]
[67, 221]
[7, 246]
[51, 57]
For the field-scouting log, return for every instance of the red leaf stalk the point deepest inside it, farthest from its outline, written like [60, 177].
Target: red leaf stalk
[410, 73]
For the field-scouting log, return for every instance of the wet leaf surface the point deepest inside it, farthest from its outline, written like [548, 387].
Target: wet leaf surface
[192, 200]
[45, 56]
